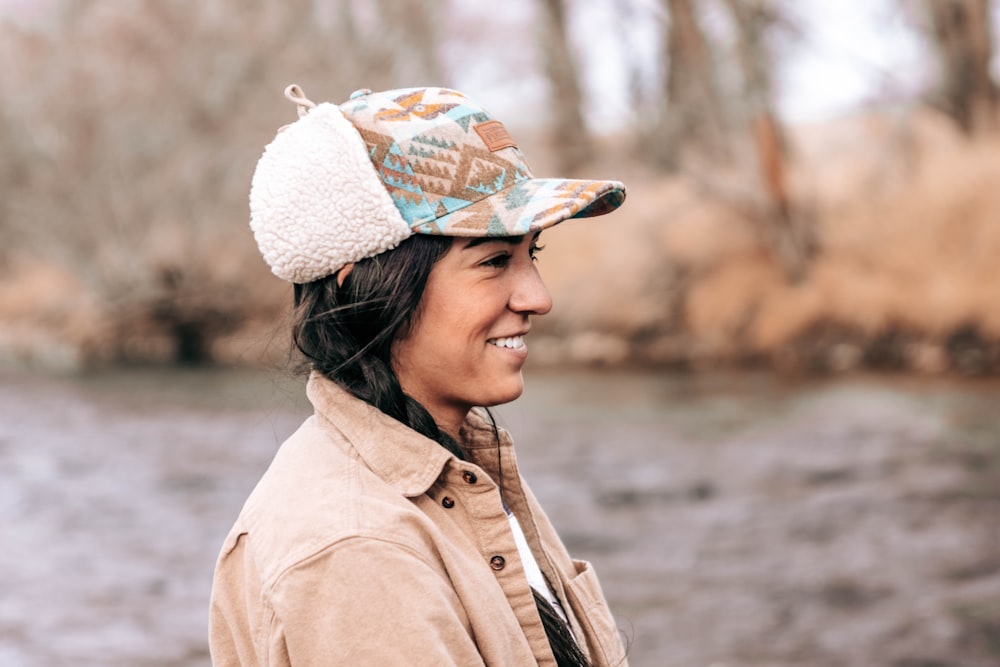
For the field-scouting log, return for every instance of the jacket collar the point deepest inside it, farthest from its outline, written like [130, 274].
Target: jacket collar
[406, 460]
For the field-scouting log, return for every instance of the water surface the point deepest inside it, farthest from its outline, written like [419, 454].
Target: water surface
[733, 519]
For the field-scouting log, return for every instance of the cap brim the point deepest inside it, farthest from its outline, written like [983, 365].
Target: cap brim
[528, 206]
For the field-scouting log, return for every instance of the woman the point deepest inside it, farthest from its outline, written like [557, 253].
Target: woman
[393, 527]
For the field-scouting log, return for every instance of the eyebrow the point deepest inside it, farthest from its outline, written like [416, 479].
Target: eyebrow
[509, 240]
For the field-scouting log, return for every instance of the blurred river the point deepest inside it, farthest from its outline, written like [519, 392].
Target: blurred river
[736, 520]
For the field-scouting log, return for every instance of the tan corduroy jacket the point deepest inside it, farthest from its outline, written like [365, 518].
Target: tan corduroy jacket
[367, 544]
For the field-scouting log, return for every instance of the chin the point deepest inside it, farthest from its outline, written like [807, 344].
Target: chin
[505, 392]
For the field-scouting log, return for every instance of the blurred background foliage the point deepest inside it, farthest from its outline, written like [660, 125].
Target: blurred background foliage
[129, 132]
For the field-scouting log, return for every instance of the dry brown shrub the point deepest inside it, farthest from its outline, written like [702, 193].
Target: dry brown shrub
[908, 217]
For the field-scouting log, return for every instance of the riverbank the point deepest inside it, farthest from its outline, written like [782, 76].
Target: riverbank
[903, 276]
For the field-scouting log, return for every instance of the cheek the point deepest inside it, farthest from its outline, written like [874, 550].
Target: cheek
[466, 320]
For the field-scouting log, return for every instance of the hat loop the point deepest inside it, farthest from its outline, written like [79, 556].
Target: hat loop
[295, 94]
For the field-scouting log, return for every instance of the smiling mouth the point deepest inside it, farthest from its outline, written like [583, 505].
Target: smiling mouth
[513, 342]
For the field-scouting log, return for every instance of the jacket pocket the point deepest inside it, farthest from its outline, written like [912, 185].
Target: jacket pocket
[587, 600]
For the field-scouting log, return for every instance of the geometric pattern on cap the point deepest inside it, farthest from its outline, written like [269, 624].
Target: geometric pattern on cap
[429, 157]
[443, 177]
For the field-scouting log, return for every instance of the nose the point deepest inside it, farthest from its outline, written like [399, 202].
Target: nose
[530, 296]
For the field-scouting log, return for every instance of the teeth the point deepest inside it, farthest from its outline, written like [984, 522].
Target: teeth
[514, 342]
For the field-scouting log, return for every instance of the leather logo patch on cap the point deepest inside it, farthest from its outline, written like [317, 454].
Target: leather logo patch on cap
[495, 135]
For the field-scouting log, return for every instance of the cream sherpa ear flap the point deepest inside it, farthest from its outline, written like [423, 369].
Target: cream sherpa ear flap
[316, 201]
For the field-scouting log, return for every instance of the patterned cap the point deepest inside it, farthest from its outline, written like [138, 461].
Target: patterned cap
[413, 161]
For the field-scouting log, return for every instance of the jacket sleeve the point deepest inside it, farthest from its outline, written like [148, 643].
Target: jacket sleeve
[369, 601]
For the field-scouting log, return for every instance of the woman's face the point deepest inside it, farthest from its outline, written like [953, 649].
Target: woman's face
[466, 347]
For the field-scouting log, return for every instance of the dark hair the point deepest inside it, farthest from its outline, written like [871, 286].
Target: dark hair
[346, 333]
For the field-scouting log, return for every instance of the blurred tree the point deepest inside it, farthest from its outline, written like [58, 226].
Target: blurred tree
[10, 176]
[138, 113]
[139, 127]
[391, 42]
[730, 138]
[691, 110]
[961, 37]
[572, 145]
[639, 101]
[789, 236]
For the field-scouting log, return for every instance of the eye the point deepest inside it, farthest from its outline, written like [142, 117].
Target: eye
[497, 261]
[533, 252]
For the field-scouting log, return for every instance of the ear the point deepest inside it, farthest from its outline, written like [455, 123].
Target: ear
[343, 273]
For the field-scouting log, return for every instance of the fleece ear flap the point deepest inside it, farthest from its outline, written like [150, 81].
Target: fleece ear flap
[316, 201]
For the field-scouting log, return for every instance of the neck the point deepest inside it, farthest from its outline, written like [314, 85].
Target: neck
[448, 416]
[450, 422]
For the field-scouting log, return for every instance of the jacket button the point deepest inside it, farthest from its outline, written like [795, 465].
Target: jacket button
[447, 502]
[469, 477]
[498, 563]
